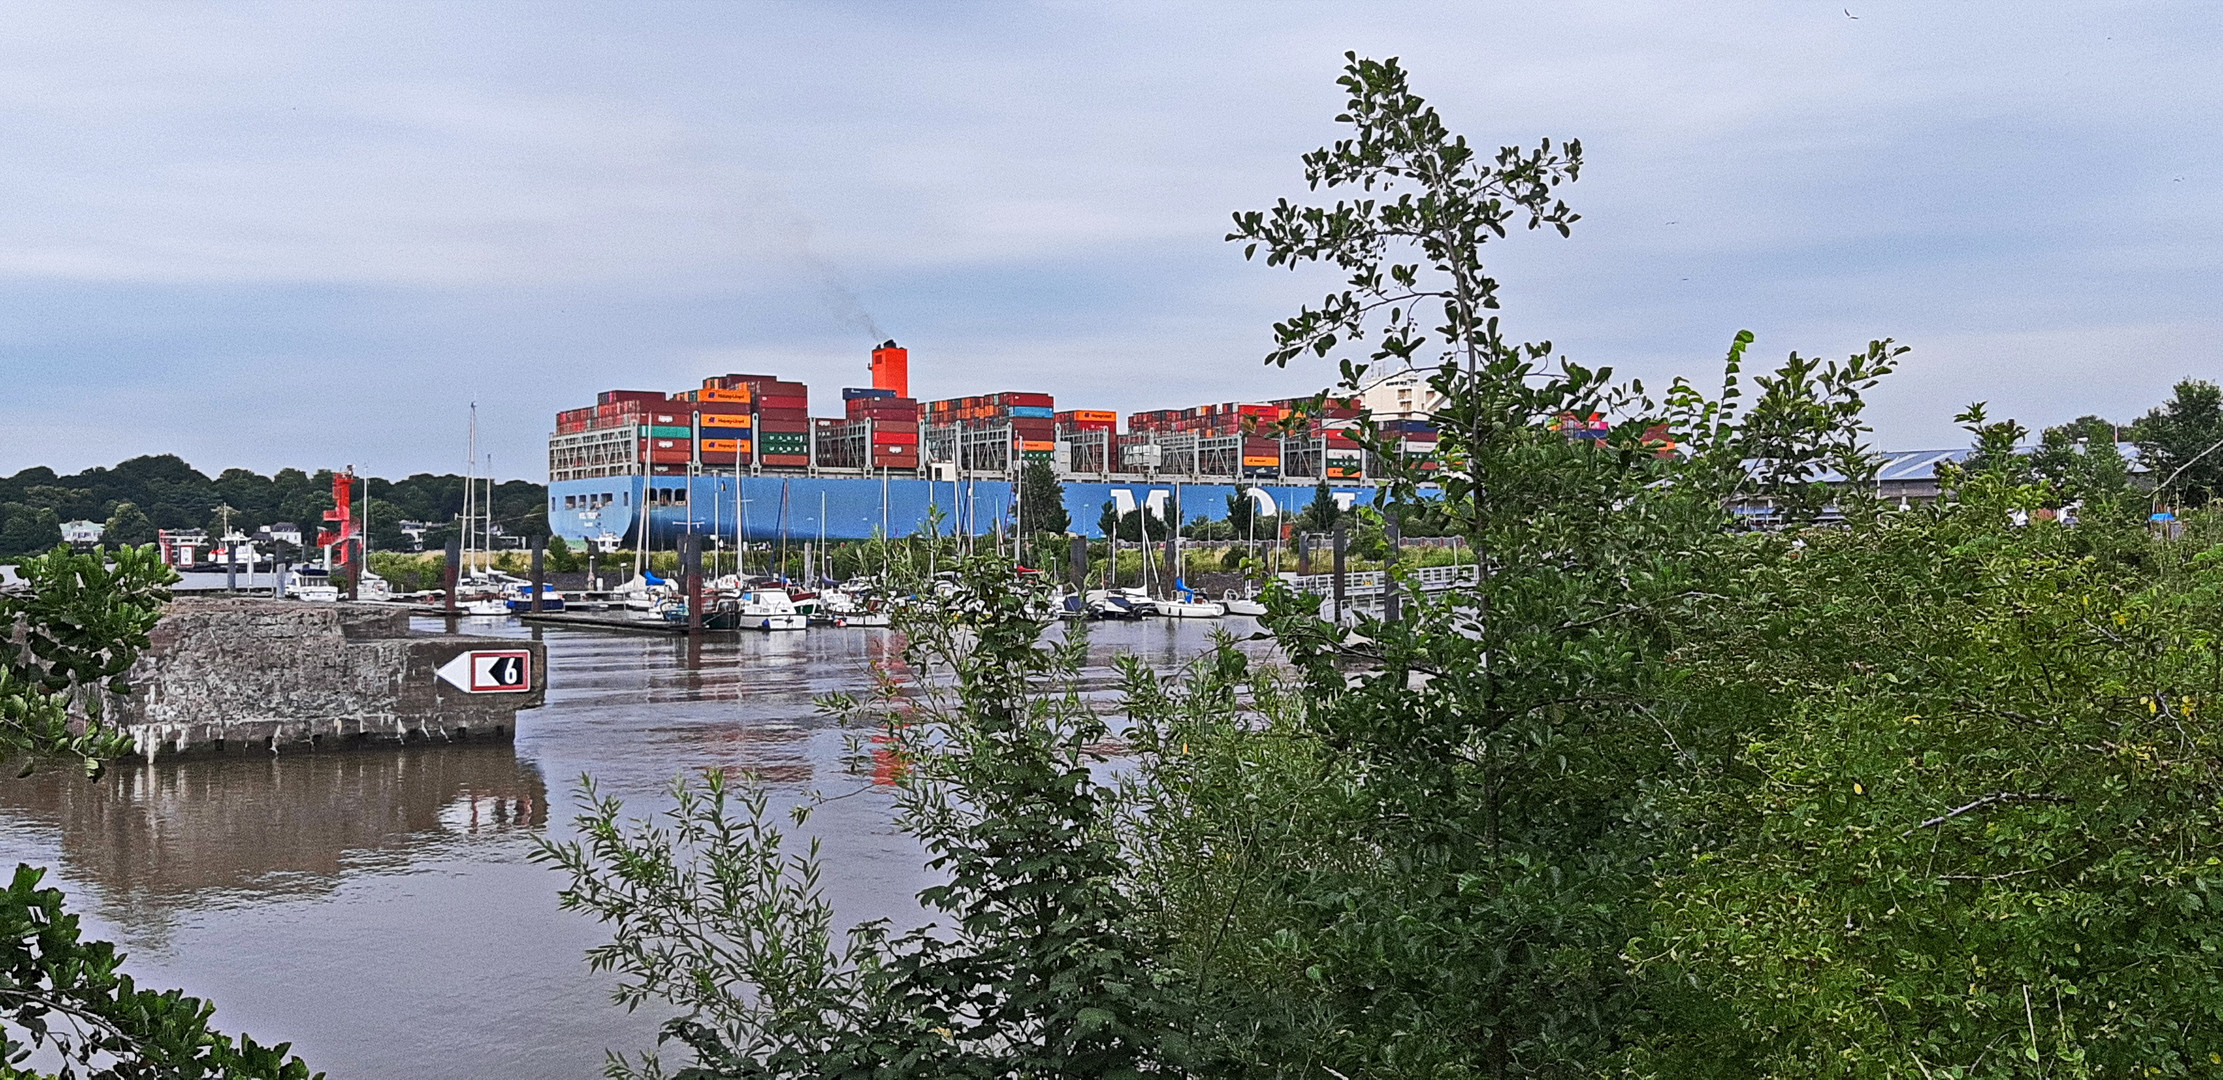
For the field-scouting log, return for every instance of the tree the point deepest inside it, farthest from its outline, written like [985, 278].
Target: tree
[1244, 522]
[1041, 500]
[2178, 438]
[28, 529]
[1471, 849]
[1956, 815]
[128, 527]
[1321, 514]
[560, 558]
[1131, 525]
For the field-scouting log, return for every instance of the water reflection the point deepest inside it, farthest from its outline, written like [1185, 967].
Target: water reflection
[151, 837]
[337, 899]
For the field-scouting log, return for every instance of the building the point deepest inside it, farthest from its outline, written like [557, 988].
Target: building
[85, 533]
[280, 532]
[1400, 395]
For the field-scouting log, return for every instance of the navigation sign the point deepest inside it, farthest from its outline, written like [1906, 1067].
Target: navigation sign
[490, 671]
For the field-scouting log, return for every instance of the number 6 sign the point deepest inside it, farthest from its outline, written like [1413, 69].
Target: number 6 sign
[490, 671]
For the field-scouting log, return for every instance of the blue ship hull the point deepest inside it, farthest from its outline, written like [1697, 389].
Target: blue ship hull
[858, 508]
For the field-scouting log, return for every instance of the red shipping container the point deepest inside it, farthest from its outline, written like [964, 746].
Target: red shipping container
[765, 423]
[610, 397]
[787, 461]
[773, 402]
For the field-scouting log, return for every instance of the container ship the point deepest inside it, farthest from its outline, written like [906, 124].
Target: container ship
[741, 457]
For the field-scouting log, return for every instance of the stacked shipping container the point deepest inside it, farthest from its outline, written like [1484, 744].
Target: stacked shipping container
[1086, 420]
[1032, 417]
[891, 425]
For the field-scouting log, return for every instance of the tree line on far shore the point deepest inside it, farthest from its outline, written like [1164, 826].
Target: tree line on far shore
[134, 498]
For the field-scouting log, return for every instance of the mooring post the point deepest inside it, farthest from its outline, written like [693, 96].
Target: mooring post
[540, 578]
[1338, 555]
[1076, 561]
[1175, 572]
[231, 566]
[452, 569]
[1304, 554]
[690, 567]
[1395, 534]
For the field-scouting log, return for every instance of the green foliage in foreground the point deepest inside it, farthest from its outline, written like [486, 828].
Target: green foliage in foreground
[1041, 968]
[61, 993]
[1966, 817]
[81, 621]
[1930, 794]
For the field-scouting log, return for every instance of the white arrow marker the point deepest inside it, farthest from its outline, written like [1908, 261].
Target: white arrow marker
[506, 671]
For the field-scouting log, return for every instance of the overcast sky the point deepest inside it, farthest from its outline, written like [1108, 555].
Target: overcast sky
[311, 235]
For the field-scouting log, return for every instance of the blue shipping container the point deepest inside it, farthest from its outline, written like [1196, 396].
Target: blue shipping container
[1034, 412]
[852, 393]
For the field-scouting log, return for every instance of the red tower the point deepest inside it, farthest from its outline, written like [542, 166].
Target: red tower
[340, 527]
[891, 369]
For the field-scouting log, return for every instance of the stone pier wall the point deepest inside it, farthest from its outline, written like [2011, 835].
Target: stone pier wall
[227, 674]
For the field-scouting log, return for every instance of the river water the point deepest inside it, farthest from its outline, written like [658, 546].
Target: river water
[378, 909]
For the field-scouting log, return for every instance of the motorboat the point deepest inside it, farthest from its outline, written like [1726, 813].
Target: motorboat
[854, 603]
[312, 585]
[521, 598]
[1118, 604]
[759, 609]
[485, 606]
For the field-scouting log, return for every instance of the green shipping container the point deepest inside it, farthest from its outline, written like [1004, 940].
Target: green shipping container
[661, 431]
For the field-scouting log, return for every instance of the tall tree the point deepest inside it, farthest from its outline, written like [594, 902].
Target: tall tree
[1456, 898]
[1042, 500]
[1321, 514]
[2178, 442]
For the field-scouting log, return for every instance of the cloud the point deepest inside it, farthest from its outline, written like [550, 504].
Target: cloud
[211, 213]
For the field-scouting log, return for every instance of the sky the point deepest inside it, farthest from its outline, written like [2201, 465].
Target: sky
[313, 235]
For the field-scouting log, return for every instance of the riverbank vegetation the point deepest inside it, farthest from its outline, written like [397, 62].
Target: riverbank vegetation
[76, 625]
[136, 497]
[1923, 792]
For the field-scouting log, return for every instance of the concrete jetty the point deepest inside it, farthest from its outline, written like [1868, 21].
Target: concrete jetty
[230, 674]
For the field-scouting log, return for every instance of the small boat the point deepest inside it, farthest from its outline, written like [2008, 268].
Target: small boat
[1118, 604]
[312, 585]
[856, 602]
[485, 606]
[521, 598]
[1238, 604]
[758, 609]
[1191, 609]
[372, 587]
[1186, 603]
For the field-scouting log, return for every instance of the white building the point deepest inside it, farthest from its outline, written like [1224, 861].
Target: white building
[82, 532]
[1400, 395]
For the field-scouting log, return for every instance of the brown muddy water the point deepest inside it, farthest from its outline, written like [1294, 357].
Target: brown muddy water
[378, 908]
